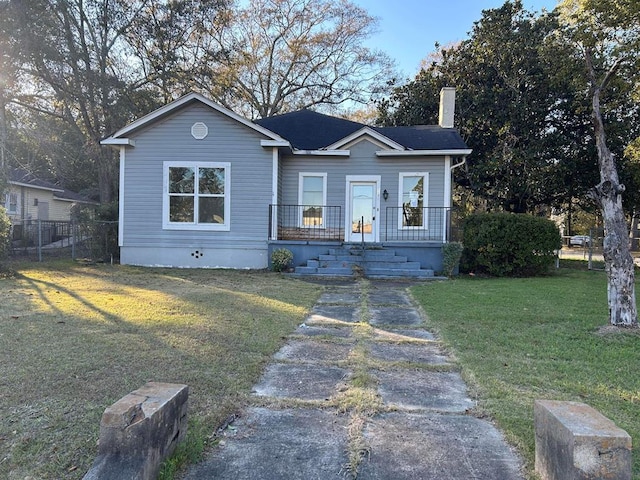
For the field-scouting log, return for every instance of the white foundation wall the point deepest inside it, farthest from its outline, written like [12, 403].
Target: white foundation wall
[195, 257]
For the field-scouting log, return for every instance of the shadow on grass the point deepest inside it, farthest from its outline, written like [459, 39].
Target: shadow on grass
[90, 335]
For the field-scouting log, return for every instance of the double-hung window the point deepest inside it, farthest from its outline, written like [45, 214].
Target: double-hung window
[11, 203]
[413, 200]
[196, 196]
[312, 197]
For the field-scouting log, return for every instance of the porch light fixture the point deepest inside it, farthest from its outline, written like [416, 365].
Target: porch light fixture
[385, 194]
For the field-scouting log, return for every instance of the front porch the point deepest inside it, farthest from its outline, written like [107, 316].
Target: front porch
[404, 247]
[328, 223]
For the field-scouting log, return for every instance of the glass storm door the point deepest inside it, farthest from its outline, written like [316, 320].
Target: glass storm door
[362, 212]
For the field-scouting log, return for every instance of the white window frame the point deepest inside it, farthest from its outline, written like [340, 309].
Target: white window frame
[425, 200]
[168, 225]
[7, 203]
[301, 177]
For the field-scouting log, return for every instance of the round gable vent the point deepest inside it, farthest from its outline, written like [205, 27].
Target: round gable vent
[199, 130]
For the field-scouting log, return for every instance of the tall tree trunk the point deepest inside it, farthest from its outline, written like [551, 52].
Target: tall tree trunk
[617, 255]
[106, 168]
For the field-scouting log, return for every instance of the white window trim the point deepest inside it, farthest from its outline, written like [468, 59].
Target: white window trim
[167, 225]
[301, 176]
[425, 200]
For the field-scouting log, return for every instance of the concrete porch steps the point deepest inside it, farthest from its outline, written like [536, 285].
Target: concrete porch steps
[377, 262]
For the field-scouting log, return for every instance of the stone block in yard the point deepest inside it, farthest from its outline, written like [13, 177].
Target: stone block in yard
[576, 442]
[139, 431]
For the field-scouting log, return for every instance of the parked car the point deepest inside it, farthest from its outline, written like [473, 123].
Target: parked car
[580, 241]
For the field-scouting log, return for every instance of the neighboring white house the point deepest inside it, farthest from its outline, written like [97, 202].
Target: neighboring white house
[201, 186]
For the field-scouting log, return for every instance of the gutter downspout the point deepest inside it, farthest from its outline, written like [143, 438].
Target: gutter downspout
[462, 162]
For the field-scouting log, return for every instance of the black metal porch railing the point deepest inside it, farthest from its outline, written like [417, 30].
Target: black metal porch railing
[306, 222]
[417, 224]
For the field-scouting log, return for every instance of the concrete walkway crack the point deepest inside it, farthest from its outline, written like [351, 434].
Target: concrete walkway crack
[361, 390]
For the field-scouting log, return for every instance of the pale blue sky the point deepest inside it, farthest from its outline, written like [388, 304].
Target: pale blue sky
[410, 28]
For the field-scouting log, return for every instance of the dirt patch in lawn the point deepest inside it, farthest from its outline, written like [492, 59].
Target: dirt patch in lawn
[609, 330]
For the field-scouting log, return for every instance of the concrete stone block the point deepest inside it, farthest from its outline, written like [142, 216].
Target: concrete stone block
[576, 442]
[139, 431]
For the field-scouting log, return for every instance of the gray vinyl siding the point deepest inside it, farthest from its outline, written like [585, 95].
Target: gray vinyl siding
[362, 161]
[170, 140]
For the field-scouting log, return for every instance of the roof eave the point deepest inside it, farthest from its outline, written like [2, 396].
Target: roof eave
[324, 153]
[70, 200]
[38, 187]
[416, 153]
[118, 142]
[275, 143]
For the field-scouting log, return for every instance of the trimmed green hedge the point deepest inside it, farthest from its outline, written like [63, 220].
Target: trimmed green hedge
[509, 245]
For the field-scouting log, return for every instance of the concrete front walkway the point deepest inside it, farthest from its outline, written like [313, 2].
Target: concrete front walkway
[361, 390]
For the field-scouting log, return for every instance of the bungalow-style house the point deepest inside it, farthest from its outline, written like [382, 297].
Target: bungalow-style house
[201, 186]
[29, 198]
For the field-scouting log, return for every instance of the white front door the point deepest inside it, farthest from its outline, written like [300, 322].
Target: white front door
[362, 209]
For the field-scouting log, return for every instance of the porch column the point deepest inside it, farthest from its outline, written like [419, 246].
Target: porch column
[447, 195]
[121, 197]
[274, 193]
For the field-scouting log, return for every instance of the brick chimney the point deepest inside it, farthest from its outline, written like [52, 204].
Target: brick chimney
[447, 107]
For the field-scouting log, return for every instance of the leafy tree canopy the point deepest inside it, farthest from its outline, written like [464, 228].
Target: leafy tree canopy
[283, 55]
[74, 71]
[522, 106]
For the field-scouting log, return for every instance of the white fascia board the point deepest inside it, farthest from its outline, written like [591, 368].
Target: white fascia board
[364, 132]
[118, 141]
[162, 111]
[324, 153]
[88, 202]
[415, 153]
[275, 143]
[36, 187]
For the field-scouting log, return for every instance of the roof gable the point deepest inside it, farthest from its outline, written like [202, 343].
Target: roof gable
[120, 137]
[365, 133]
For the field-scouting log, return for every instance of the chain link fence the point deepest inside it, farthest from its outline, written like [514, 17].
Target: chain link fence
[40, 240]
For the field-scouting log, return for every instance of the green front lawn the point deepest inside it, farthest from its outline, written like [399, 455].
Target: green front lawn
[518, 340]
[74, 339]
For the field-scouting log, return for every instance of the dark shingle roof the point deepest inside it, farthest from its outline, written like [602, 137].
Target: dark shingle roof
[308, 130]
[71, 196]
[18, 175]
[424, 137]
[21, 176]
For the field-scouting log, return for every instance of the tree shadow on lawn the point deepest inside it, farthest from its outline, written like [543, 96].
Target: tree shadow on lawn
[91, 337]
